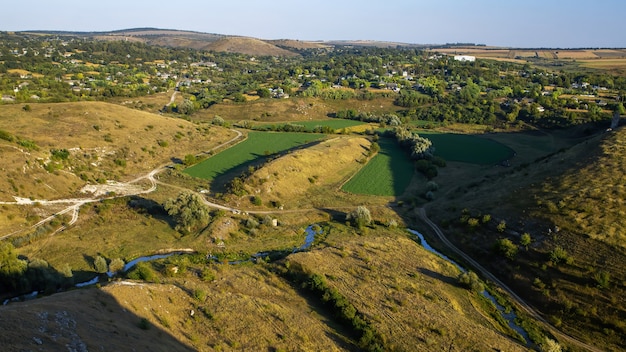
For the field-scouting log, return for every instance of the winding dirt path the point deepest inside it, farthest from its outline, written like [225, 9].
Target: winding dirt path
[76, 203]
[515, 298]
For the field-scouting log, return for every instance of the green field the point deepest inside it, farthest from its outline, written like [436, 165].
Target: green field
[468, 148]
[258, 145]
[387, 174]
[335, 124]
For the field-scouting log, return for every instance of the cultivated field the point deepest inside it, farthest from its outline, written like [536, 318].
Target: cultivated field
[389, 173]
[468, 148]
[258, 145]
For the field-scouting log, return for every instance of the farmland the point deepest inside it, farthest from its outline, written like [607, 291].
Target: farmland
[257, 145]
[468, 148]
[387, 174]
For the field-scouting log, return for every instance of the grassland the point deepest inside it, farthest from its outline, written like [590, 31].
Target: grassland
[410, 294]
[294, 110]
[387, 174]
[257, 145]
[468, 148]
[103, 142]
[335, 124]
[310, 177]
[570, 201]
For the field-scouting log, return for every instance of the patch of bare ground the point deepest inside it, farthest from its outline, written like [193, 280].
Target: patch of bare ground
[410, 295]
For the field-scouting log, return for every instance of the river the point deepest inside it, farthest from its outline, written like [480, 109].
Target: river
[509, 316]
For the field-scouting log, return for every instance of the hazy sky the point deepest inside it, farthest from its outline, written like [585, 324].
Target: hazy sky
[528, 23]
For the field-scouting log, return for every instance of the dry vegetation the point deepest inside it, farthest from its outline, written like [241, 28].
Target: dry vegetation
[411, 296]
[103, 142]
[296, 109]
[308, 178]
[572, 205]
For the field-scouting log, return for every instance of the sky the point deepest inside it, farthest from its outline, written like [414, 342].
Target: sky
[511, 23]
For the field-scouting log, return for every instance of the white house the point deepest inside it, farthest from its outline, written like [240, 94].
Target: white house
[464, 58]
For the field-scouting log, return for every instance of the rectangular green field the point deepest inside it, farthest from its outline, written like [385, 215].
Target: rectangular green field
[468, 148]
[257, 145]
[387, 174]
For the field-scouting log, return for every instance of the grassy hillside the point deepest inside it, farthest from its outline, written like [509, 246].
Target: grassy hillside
[571, 204]
[53, 150]
[410, 295]
[310, 177]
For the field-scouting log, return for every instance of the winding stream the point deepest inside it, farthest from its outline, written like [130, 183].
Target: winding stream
[508, 316]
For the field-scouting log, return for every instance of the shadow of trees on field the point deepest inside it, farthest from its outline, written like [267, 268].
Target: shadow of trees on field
[220, 183]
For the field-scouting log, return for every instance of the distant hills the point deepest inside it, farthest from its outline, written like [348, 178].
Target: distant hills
[220, 42]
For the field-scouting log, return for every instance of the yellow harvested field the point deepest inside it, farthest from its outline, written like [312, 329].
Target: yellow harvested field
[23, 72]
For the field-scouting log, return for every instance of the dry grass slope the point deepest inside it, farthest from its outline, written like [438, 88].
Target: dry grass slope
[410, 294]
[296, 179]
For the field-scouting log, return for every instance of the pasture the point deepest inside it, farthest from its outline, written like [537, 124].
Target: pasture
[468, 148]
[257, 145]
[387, 174]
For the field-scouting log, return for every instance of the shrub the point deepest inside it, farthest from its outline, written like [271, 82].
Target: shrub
[471, 281]
[116, 265]
[501, 226]
[525, 240]
[432, 186]
[143, 271]
[559, 255]
[100, 264]
[144, 324]
[506, 247]
[360, 216]
[603, 279]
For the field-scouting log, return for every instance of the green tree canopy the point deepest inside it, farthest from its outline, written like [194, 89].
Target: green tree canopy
[189, 211]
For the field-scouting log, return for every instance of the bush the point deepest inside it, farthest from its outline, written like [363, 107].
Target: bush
[360, 216]
[471, 281]
[143, 271]
[100, 264]
[116, 265]
[559, 255]
[506, 247]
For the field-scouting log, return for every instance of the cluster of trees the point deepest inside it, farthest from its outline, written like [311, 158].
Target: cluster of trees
[20, 275]
[188, 211]
[433, 88]
[384, 119]
[420, 147]
[369, 339]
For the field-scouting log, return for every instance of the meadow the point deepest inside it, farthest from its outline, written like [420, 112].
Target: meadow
[468, 148]
[257, 145]
[387, 174]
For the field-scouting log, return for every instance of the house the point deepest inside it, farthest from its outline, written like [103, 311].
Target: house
[465, 58]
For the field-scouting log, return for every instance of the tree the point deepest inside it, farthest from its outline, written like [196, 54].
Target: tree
[189, 212]
[116, 265]
[525, 240]
[470, 280]
[506, 247]
[360, 216]
[100, 264]
[11, 267]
